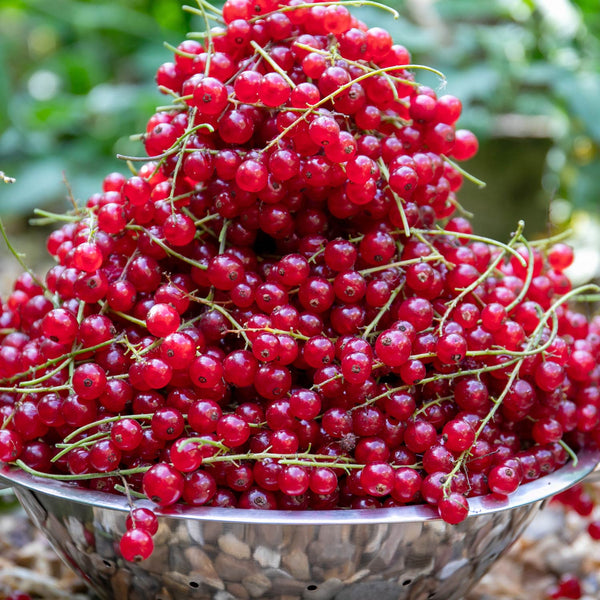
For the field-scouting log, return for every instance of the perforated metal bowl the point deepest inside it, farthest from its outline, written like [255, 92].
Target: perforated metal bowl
[226, 554]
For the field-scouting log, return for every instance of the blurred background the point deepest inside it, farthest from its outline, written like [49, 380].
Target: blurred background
[77, 79]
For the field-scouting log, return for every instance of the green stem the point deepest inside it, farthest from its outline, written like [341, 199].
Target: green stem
[478, 182]
[355, 3]
[129, 493]
[46, 376]
[272, 63]
[223, 236]
[19, 257]
[478, 238]
[83, 443]
[491, 268]
[167, 248]
[386, 175]
[225, 313]
[202, 13]
[208, 218]
[46, 390]
[570, 452]
[178, 51]
[528, 277]
[316, 459]
[402, 263]
[204, 442]
[82, 477]
[84, 428]
[550, 241]
[53, 361]
[127, 317]
[208, 6]
[373, 324]
[50, 217]
[158, 157]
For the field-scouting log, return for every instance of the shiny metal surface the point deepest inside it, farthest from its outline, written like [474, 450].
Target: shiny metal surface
[227, 554]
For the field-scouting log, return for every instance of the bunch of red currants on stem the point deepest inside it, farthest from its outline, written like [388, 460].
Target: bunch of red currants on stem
[284, 306]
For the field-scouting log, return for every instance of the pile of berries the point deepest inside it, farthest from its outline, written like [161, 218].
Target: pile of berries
[283, 306]
[18, 595]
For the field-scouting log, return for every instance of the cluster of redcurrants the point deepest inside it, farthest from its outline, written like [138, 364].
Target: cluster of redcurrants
[567, 586]
[281, 309]
[18, 595]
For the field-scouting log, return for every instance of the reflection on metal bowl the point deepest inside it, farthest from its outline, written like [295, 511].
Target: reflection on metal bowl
[229, 554]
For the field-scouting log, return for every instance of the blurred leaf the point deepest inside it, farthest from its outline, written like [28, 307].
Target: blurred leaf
[94, 16]
[63, 114]
[586, 186]
[45, 178]
[473, 83]
[8, 500]
[467, 10]
[543, 74]
[5, 87]
[581, 92]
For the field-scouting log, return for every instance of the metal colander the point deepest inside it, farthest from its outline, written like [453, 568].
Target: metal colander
[227, 554]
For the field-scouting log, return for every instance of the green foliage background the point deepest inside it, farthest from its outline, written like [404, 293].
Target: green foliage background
[77, 79]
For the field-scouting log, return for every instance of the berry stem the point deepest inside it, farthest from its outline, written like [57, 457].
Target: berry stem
[478, 182]
[41, 390]
[179, 52]
[479, 238]
[208, 6]
[403, 263]
[204, 442]
[386, 176]
[82, 443]
[129, 493]
[100, 422]
[127, 317]
[203, 220]
[550, 241]
[46, 376]
[490, 269]
[53, 361]
[295, 335]
[82, 477]
[181, 155]
[304, 459]
[569, 451]
[49, 218]
[223, 236]
[19, 257]
[166, 247]
[528, 277]
[355, 3]
[225, 313]
[172, 150]
[272, 63]
[200, 12]
[373, 324]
